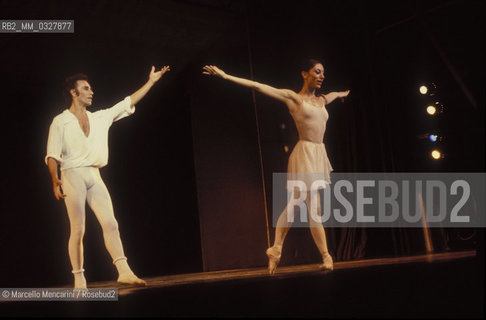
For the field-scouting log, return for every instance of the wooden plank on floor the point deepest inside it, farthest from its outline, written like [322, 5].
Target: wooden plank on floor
[282, 272]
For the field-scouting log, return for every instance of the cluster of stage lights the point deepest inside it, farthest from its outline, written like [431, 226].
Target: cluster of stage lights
[434, 107]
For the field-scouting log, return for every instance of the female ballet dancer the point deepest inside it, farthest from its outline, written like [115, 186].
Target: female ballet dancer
[309, 155]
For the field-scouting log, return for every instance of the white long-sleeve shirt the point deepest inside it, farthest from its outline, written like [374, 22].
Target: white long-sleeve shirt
[68, 144]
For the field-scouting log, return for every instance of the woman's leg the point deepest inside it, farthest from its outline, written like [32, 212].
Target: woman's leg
[274, 252]
[283, 226]
[317, 229]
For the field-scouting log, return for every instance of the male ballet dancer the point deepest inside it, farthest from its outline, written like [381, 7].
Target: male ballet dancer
[78, 143]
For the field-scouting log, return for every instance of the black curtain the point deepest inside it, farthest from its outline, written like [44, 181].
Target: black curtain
[185, 173]
[378, 52]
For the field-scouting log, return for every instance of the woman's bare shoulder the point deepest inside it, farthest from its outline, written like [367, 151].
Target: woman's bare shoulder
[322, 99]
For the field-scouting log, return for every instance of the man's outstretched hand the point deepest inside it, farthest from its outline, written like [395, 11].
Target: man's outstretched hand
[155, 76]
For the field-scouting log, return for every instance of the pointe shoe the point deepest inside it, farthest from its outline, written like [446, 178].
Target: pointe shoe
[327, 263]
[131, 279]
[273, 255]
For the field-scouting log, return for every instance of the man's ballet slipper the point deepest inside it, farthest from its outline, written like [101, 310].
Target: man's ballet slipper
[131, 279]
[79, 279]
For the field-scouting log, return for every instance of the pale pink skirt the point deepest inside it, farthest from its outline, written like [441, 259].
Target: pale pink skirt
[309, 162]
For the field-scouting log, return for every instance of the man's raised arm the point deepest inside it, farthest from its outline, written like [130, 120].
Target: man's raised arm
[153, 78]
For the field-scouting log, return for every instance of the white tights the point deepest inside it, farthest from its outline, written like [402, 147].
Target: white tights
[81, 185]
[316, 228]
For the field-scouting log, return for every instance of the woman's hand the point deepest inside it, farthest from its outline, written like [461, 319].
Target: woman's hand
[214, 71]
[344, 94]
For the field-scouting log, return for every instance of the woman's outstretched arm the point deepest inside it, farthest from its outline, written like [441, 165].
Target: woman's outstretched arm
[331, 96]
[287, 96]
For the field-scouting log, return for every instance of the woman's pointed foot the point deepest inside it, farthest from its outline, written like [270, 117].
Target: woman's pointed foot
[273, 254]
[327, 263]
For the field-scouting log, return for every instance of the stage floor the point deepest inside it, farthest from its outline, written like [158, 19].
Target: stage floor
[282, 272]
[443, 285]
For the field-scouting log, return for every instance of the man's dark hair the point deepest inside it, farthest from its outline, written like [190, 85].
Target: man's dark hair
[70, 83]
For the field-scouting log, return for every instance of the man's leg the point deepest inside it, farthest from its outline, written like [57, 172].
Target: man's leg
[99, 200]
[74, 188]
[318, 232]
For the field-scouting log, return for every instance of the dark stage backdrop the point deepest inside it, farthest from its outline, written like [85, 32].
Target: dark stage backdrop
[185, 170]
[382, 52]
[150, 173]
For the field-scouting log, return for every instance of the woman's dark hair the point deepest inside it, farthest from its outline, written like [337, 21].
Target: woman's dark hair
[70, 83]
[309, 64]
